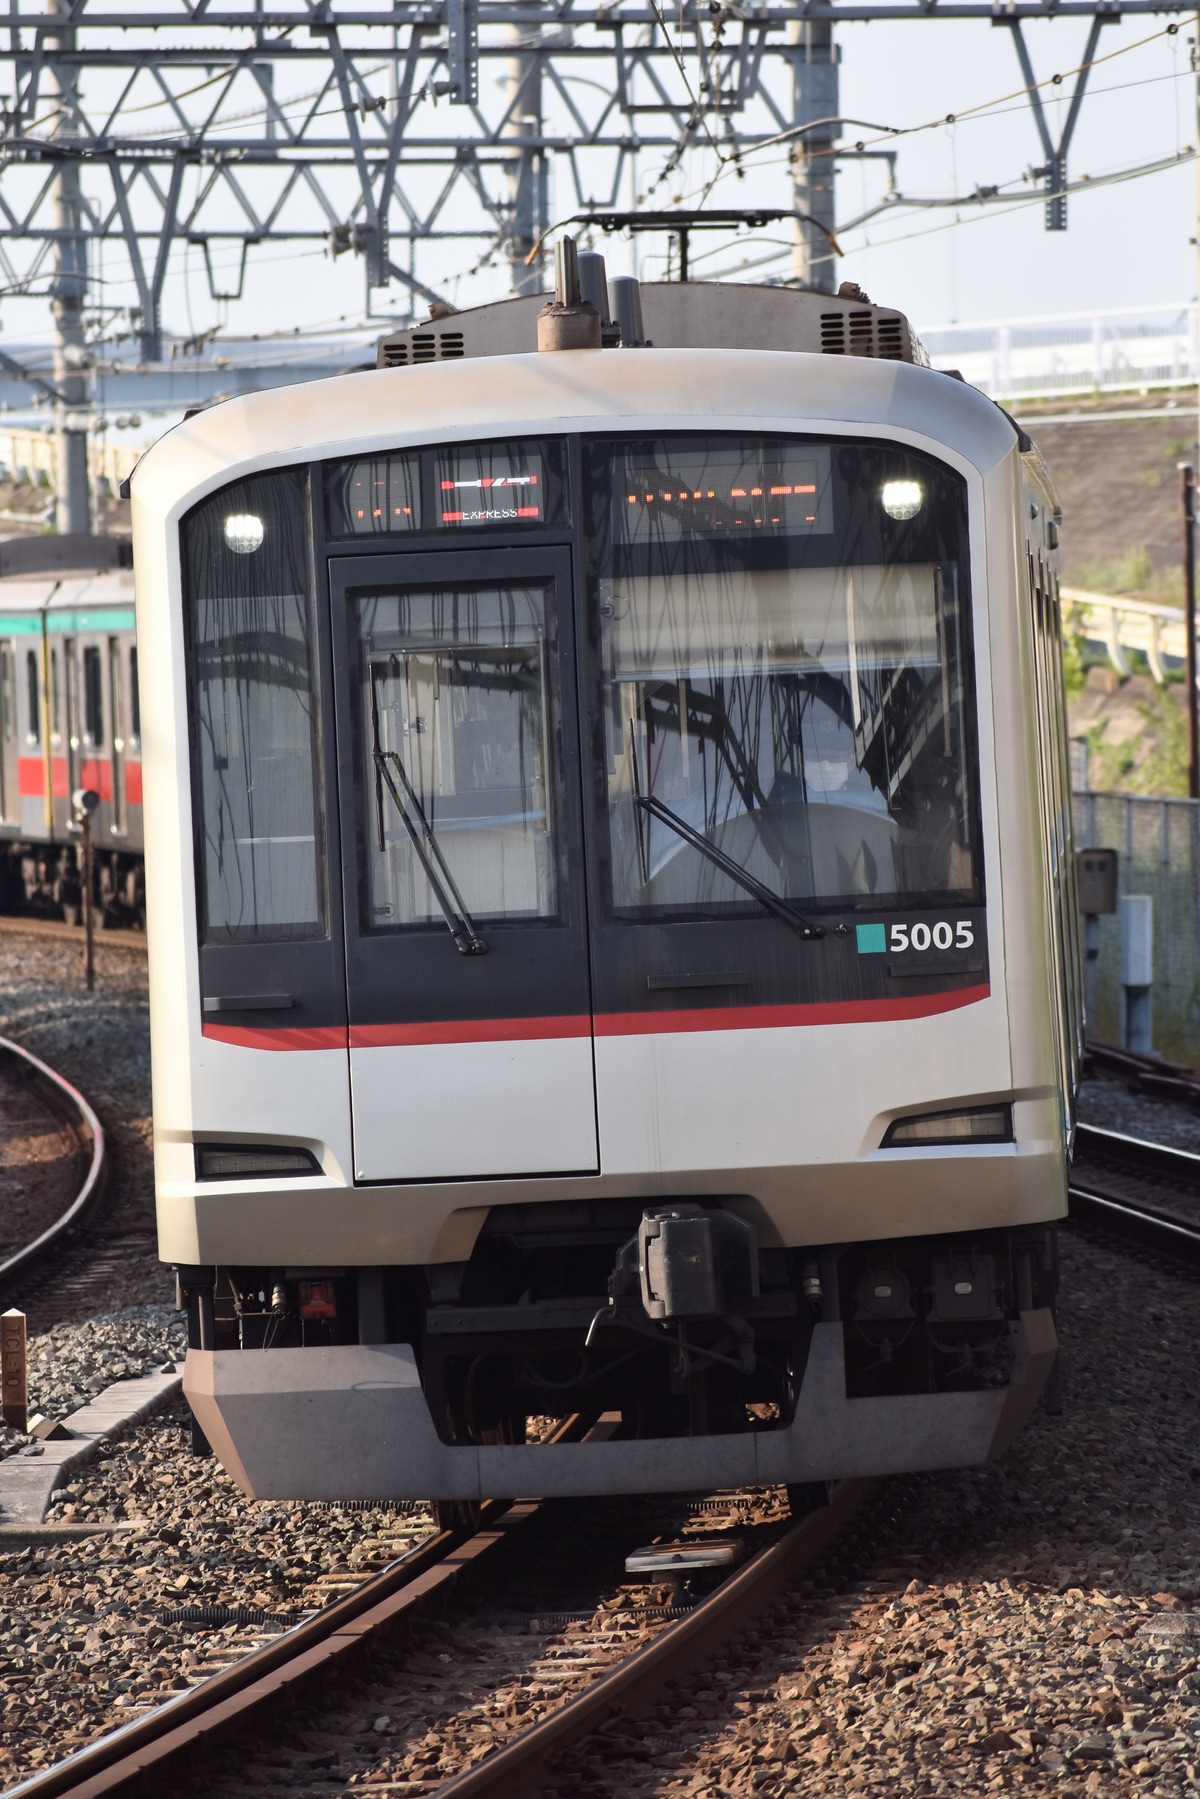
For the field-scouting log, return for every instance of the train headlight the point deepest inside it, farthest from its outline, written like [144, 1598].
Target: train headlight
[976, 1124]
[244, 533]
[901, 499]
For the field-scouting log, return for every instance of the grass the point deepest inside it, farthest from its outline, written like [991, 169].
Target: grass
[1132, 573]
[1163, 771]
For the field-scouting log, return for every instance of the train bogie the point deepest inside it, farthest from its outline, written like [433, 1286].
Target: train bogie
[612, 940]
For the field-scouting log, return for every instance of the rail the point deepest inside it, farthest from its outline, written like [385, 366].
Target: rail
[168, 1735]
[520, 1764]
[64, 1096]
[1133, 1189]
[159, 1744]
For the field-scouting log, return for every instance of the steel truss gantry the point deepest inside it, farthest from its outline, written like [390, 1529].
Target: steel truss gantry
[386, 129]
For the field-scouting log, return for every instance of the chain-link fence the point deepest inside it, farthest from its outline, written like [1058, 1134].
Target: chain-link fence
[1158, 846]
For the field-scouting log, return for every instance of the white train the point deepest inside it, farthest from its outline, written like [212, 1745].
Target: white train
[612, 927]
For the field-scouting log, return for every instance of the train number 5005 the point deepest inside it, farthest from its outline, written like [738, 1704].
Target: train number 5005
[942, 935]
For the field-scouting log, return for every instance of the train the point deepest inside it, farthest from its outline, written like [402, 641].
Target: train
[614, 967]
[70, 721]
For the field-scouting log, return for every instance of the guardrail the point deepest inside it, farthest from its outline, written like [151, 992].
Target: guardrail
[1071, 354]
[1123, 624]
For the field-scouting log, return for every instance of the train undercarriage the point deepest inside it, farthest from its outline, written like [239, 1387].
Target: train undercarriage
[668, 1320]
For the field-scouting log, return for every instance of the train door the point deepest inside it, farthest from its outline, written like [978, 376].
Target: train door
[466, 939]
[9, 746]
[36, 817]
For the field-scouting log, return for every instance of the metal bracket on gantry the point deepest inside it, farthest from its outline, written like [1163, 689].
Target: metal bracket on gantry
[1054, 170]
[462, 34]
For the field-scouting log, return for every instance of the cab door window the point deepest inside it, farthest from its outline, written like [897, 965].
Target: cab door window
[455, 708]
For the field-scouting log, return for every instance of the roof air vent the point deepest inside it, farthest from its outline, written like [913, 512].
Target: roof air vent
[424, 347]
[890, 340]
[833, 334]
[860, 334]
[395, 356]
[450, 346]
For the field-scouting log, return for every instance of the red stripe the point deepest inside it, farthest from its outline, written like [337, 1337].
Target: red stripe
[765, 1018]
[31, 777]
[97, 775]
[607, 1024]
[133, 783]
[468, 1030]
[317, 1036]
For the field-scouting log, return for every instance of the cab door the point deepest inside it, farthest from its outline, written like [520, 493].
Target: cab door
[466, 938]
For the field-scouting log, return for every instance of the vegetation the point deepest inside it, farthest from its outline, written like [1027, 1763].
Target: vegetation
[1075, 664]
[1132, 573]
[1151, 761]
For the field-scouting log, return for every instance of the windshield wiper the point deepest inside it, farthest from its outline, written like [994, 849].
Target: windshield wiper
[459, 922]
[733, 869]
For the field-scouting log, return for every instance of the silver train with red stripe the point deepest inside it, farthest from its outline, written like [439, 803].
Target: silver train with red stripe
[612, 926]
[69, 719]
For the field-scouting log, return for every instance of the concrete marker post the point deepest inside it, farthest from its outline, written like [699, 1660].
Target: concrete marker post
[14, 1369]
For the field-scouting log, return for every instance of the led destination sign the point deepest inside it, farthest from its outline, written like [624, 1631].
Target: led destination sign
[495, 496]
[490, 484]
[680, 488]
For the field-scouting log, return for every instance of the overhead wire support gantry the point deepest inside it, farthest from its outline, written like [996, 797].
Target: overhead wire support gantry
[387, 131]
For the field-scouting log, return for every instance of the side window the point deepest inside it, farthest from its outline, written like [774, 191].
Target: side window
[33, 692]
[135, 701]
[93, 697]
[55, 700]
[254, 708]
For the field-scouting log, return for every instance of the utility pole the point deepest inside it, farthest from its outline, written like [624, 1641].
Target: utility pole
[527, 174]
[69, 291]
[814, 98]
[1187, 490]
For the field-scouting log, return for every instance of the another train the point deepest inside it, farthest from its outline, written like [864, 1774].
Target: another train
[69, 719]
[612, 925]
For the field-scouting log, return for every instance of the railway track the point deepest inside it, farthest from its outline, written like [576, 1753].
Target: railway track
[50, 1135]
[1145, 1193]
[1148, 1195]
[159, 1748]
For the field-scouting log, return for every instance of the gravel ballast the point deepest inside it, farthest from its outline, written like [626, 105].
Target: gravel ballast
[1033, 1625]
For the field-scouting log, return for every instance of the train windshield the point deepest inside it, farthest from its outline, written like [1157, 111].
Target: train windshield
[782, 648]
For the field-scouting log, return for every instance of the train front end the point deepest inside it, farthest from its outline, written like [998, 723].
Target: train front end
[607, 959]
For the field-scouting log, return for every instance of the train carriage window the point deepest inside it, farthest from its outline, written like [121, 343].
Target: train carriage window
[33, 697]
[458, 712]
[135, 699]
[254, 713]
[781, 641]
[93, 697]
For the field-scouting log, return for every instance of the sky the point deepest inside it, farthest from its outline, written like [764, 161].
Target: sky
[1127, 246]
